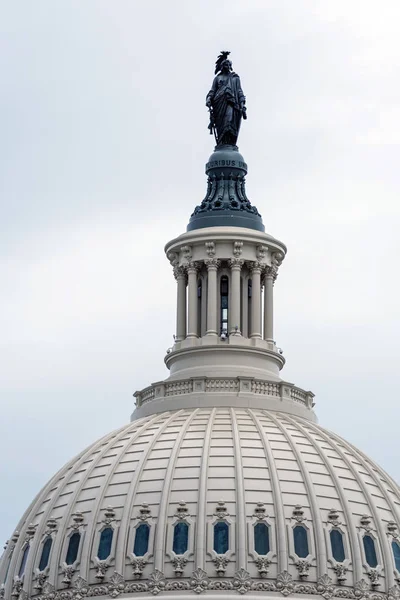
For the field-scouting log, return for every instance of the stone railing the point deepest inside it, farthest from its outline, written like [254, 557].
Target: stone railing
[228, 385]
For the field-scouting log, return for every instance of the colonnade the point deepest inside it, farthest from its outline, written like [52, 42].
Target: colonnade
[261, 276]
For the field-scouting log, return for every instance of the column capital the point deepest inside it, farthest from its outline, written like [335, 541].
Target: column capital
[179, 272]
[212, 263]
[236, 263]
[271, 272]
[192, 267]
[255, 266]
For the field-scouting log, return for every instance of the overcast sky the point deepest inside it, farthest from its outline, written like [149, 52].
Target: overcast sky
[103, 144]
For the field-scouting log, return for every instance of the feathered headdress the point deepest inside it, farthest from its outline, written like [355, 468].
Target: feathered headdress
[218, 63]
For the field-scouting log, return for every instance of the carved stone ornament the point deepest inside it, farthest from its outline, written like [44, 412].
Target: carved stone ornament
[109, 515]
[365, 522]
[221, 512]
[271, 272]
[394, 593]
[237, 249]
[2, 590]
[212, 263]
[182, 511]
[173, 258]
[210, 249]
[325, 587]
[138, 564]
[68, 571]
[261, 252]
[340, 570]
[298, 514]
[374, 576]
[80, 589]
[30, 532]
[260, 511]
[333, 518]
[276, 259]
[235, 263]
[221, 562]
[242, 581]
[156, 582]
[180, 272]
[179, 563]
[284, 583]
[40, 579]
[361, 589]
[102, 566]
[393, 529]
[187, 252]
[77, 520]
[116, 585]
[51, 526]
[263, 563]
[303, 567]
[200, 581]
[17, 587]
[144, 512]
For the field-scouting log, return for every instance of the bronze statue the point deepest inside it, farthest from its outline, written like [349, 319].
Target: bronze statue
[226, 102]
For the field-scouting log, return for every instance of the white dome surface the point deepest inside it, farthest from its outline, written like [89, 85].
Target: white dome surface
[201, 466]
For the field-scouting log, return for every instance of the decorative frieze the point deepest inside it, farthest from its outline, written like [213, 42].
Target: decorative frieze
[199, 582]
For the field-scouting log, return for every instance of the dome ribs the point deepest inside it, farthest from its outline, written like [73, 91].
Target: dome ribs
[65, 474]
[241, 537]
[355, 553]
[159, 543]
[88, 550]
[122, 542]
[318, 527]
[382, 538]
[277, 497]
[201, 546]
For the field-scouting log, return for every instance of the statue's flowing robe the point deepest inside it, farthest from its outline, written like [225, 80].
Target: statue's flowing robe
[227, 98]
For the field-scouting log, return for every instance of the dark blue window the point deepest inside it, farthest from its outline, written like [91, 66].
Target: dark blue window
[73, 547]
[337, 545]
[181, 537]
[105, 543]
[396, 554]
[221, 537]
[261, 538]
[23, 562]
[141, 544]
[44, 559]
[300, 541]
[370, 552]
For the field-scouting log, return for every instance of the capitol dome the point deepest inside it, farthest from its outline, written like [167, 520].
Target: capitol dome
[223, 483]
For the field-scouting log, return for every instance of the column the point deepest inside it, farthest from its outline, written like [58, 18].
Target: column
[256, 300]
[212, 297]
[192, 300]
[269, 304]
[234, 317]
[180, 276]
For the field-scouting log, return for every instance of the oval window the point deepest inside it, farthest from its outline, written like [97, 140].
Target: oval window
[221, 537]
[300, 538]
[261, 538]
[181, 538]
[396, 554]
[141, 544]
[44, 559]
[23, 562]
[370, 552]
[337, 545]
[73, 547]
[105, 543]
